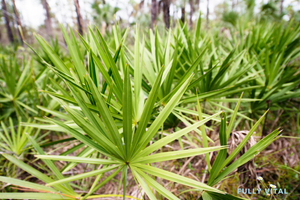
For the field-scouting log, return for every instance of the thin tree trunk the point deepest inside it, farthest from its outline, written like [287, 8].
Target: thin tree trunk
[18, 21]
[79, 17]
[207, 14]
[48, 22]
[8, 28]
[182, 14]
[166, 9]
[159, 7]
[197, 4]
[281, 6]
[191, 12]
[153, 13]
[141, 5]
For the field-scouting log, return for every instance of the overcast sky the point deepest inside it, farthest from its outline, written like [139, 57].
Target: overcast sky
[33, 12]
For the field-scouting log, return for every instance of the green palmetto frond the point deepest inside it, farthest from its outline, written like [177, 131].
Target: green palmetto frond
[116, 100]
[92, 118]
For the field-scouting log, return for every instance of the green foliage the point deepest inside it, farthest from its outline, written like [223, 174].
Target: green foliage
[230, 17]
[17, 91]
[124, 144]
[114, 97]
[14, 141]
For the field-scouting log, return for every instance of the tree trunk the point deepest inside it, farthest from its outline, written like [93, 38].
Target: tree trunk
[182, 14]
[191, 12]
[48, 22]
[153, 13]
[207, 14]
[197, 4]
[18, 21]
[141, 5]
[166, 9]
[79, 17]
[9, 31]
[159, 7]
[281, 6]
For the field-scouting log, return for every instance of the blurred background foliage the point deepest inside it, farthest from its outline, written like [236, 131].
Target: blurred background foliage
[146, 13]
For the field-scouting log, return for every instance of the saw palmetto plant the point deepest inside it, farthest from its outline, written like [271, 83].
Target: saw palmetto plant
[127, 150]
[122, 144]
[217, 74]
[277, 50]
[18, 94]
[223, 165]
[112, 120]
[14, 141]
[116, 101]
